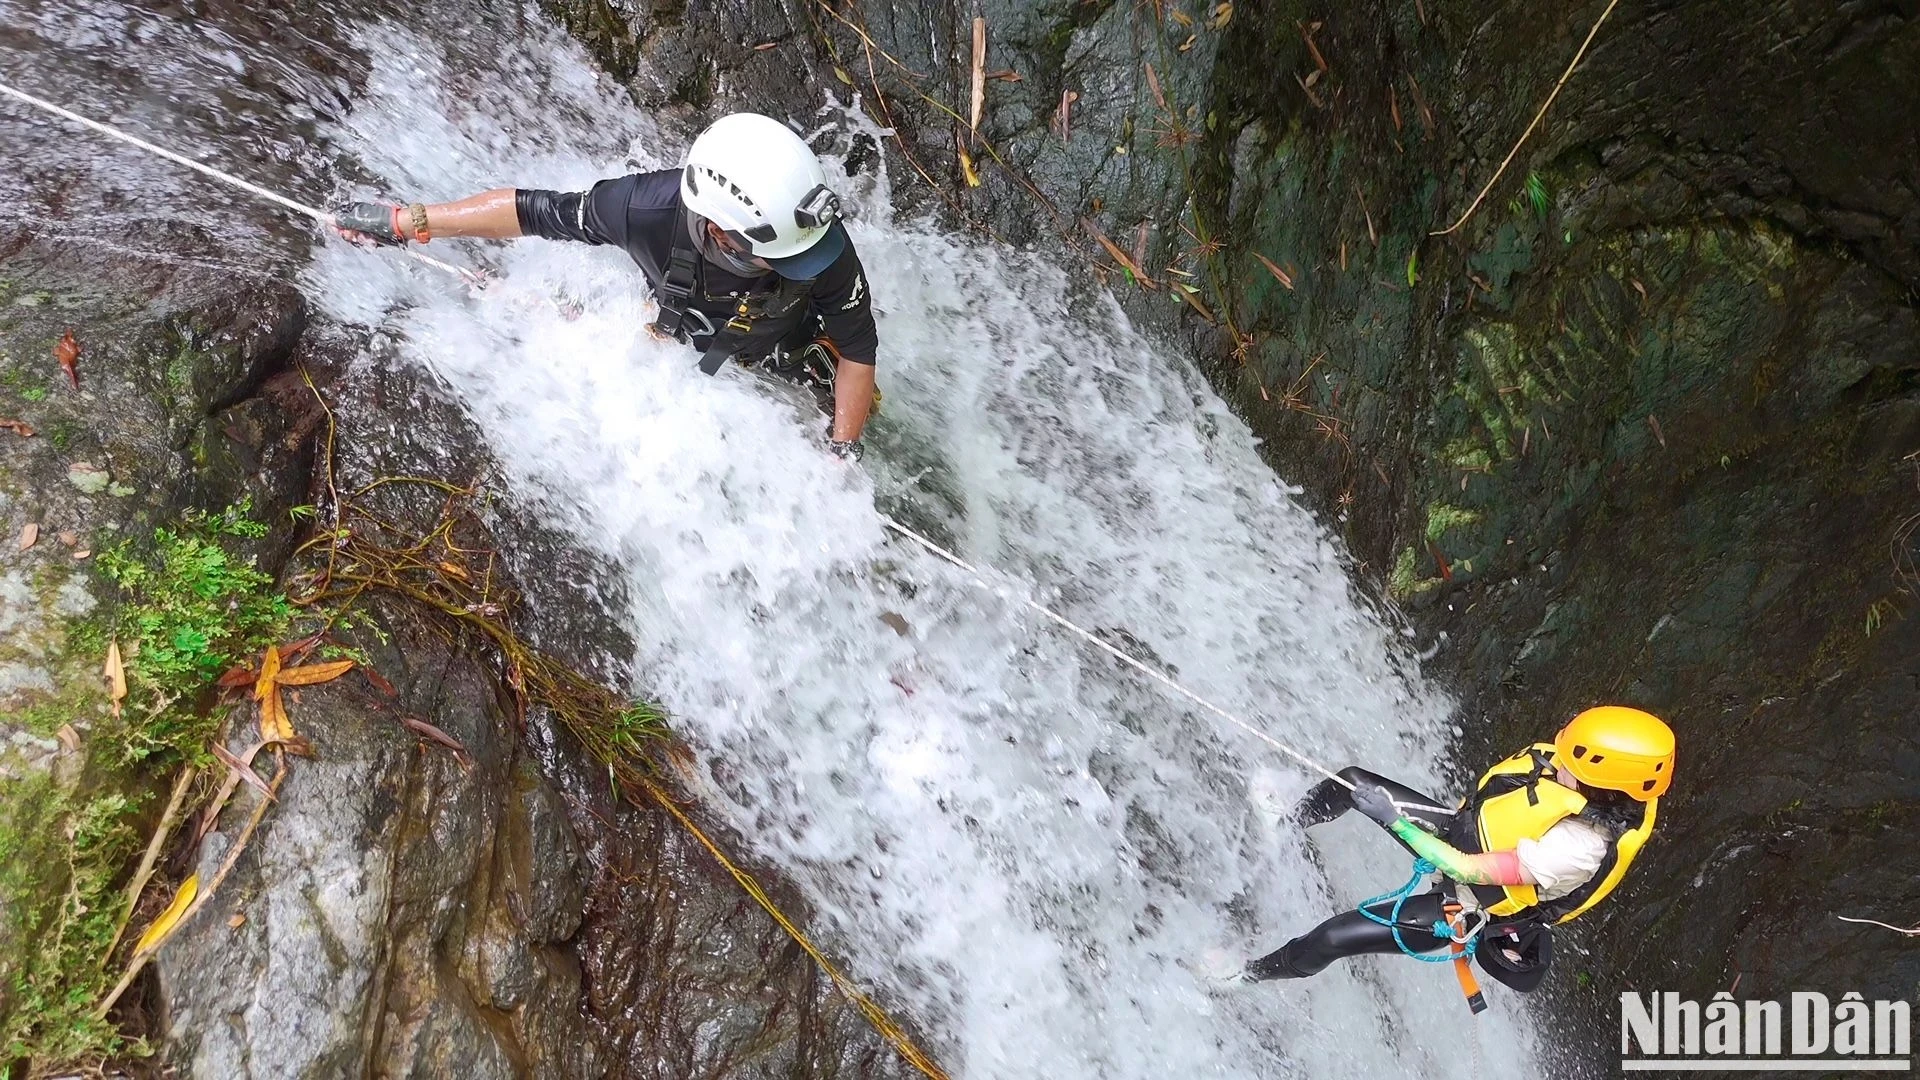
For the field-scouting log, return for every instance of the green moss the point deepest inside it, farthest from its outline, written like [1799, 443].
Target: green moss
[189, 608]
[1442, 517]
[1467, 454]
[1404, 583]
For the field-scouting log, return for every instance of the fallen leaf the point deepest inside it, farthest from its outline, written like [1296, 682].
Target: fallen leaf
[238, 920]
[69, 738]
[454, 570]
[1281, 275]
[1393, 106]
[269, 668]
[1306, 34]
[244, 770]
[380, 682]
[1182, 17]
[67, 537]
[1119, 256]
[1188, 44]
[29, 534]
[164, 925]
[966, 165]
[1654, 423]
[18, 427]
[840, 73]
[895, 622]
[82, 553]
[310, 674]
[116, 673]
[1186, 292]
[1005, 75]
[1222, 15]
[765, 45]
[1307, 87]
[1153, 84]
[1639, 288]
[236, 677]
[979, 97]
[1063, 118]
[67, 351]
[421, 727]
[274, 725]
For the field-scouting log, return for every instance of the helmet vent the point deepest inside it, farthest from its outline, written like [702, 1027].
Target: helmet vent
[1598, 758]
[1659, 765]
[1580, 752]
[1646, 785]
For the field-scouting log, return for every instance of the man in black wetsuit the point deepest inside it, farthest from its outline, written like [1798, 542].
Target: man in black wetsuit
[742, 244]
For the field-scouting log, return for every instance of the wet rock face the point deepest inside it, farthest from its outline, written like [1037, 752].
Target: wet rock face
[406, 912]
[1646, 428]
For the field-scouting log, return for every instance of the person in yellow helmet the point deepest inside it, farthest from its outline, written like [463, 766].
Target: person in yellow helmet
[1545, 835]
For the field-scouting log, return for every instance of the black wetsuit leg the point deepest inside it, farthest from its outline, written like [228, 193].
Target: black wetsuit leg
[1351, 934]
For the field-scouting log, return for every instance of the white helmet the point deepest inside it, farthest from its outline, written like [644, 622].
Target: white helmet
[754, 178]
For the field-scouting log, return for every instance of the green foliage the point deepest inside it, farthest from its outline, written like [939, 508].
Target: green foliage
[1538, 196]
[71, 852]
[636, 725]
[192, 609]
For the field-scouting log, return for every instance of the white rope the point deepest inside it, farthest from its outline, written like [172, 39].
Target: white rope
[1143, 667]
[466, 275]
[321, 216]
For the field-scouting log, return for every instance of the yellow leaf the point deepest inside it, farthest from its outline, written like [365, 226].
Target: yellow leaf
[453, 570]
[269, 669]
[164, 925]
[841, 74]
[274, 725]
[309, 674]
[1222, 15]
[1182, 17]
[116, 673]
[966, 167]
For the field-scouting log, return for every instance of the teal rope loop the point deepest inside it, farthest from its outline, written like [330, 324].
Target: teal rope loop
[1421, 868]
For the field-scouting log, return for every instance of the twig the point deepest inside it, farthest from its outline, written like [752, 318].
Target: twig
[155, 846]
[139, 961]
[979, 74]
[1544, 106]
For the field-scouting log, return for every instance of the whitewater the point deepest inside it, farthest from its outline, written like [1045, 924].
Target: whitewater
[1016, 844]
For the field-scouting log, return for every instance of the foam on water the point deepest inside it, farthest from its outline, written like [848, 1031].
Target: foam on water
[1022, 846]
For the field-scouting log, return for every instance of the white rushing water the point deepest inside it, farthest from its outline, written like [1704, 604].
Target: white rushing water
[1008, 838]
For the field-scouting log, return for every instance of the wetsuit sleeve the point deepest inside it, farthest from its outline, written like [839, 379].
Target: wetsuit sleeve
[845, 306]
[597, 216]
[1492, 868]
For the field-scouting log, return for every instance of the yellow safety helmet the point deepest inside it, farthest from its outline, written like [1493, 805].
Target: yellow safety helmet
[1618, 748]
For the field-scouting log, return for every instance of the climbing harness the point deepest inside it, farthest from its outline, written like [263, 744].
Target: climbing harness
[1459, 927]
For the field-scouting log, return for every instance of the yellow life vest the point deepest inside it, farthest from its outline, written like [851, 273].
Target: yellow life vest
[1518, 799]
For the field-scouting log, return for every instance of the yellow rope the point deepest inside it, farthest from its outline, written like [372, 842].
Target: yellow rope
[874, 1013]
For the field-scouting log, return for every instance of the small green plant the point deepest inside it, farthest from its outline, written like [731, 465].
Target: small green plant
[34, 393]
[191, 610]
[635, 726]
[1538, 196]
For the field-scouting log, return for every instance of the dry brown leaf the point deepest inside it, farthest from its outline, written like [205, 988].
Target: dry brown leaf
[1121, 257]
[238, 920]
[236, 677]
[310, 674]
[1639, 288]
[1182, 17]
[765, 45]
[244, 770]
[116, 673]
[67, 537]
[1312, 98]
[1281, 275]
[1004, 75]
[1153, 84]
[1306, 34]
[422, 728]
[18, 427]
[1188, 44]
[1063, 118]
[82, 553]
[170, 918]
[979, 98]
[67, 351]
[379, 682]
[269, 669]
[69, 738]
[1393, 106]
[1222, 15]
[1194, 303]
[29, 535]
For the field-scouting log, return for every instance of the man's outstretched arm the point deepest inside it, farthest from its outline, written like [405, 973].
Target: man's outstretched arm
[490, 215]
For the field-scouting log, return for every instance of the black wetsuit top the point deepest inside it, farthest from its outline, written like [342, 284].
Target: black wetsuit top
[640, 214]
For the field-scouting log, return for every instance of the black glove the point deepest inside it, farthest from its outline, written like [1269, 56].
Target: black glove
[369, 221]
[1374, 801]
[845, 449]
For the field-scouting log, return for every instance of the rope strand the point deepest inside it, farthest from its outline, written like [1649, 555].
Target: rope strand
[320, 216]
